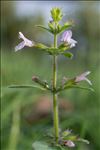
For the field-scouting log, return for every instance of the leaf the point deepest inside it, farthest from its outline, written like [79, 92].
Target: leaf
[68, 54]
[41, 146]
[66, 26]
[63, 47]
[26, 86]
[66, 133]
[40, 26]
[71, 137]
[51, 26]
[69, 86]
[80, 87]
[83, 140]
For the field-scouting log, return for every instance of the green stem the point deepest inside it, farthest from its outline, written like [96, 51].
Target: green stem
[15, 129]
[55, 104]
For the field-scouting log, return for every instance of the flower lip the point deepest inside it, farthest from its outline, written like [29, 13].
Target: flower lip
[83, 77]
[66, 37]
[25, 42]
[69, 143]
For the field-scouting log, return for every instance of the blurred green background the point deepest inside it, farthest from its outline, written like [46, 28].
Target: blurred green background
[26, 114]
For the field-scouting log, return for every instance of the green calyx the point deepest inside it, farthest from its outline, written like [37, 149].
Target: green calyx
[61, 50]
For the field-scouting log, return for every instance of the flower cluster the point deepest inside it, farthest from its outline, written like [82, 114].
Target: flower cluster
[67, 138]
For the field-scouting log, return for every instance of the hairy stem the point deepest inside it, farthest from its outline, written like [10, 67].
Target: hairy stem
[55, 103]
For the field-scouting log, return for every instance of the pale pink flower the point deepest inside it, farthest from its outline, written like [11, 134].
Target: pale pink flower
[69, 143]
[83, 77]
[25, 42]
[67, 37]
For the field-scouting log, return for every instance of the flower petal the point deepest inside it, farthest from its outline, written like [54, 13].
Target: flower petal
[83, 77]
[86, 79]
[28, 43]
[69, 143]
[21, 36]
[25, 42]
[19, 46]
[72, 43]
[66, 35]
[86, 73]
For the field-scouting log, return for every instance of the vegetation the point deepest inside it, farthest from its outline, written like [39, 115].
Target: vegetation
[83, 113]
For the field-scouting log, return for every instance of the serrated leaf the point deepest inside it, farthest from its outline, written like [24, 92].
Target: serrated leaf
[26, 86]
[68, 54]
[42, 27]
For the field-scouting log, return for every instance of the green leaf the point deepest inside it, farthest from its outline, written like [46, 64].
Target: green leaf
[41, 146]
[83, 140]
[84, 88]
[70, 85]
[63, 47]
[71, 137]
[66, 26]
[42, 27]
[68, 54]
[51, 26]
[66, 133]
[26, 86]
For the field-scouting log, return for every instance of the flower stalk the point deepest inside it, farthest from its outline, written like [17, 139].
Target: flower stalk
[55, 103]
[67, 138]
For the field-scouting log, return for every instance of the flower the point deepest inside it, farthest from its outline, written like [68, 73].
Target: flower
[69, 143]
[83, 77]
[66, 37]
[24, 43]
